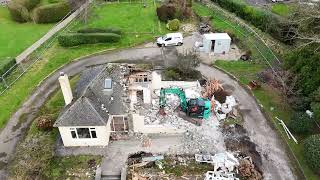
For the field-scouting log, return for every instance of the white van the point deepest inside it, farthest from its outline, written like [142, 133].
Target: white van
[171, 39]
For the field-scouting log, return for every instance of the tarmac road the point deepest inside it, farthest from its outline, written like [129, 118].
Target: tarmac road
[275, 161]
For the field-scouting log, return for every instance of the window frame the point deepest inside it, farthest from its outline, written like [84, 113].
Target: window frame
[91, 130]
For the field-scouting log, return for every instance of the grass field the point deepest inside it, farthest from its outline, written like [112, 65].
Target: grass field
[281, 9]
[16, 37]
[57, 56]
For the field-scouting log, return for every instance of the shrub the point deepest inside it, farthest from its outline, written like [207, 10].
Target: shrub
[173, 25]
[29, 4]
[312, 152]
[171, 74]
[44, 122]
[75, 39]
[51, 13]
[301, 123]
[7, 66]
[166, 13]
[100, 30]
[18, 12]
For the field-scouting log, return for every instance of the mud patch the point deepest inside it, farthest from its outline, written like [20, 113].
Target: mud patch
[236, 139]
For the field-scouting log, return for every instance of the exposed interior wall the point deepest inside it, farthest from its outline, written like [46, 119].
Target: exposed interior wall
[140, 127]
[103, 134]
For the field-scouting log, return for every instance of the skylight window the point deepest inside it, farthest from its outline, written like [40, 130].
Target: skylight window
[108, 84]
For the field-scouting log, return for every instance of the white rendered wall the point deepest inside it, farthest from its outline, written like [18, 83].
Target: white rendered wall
[222, 45]
[103, 134]
[140, 127]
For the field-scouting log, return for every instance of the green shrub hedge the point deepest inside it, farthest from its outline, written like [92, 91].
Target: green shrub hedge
[18, 12]
[275, 25]
[101, 30]
[312, 152]
[74, 39]
[173, 25]
[29, 4]
[301, 123]
[51, 13]
[7, 66]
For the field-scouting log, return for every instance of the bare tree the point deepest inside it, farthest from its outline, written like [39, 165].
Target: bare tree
[307, 19]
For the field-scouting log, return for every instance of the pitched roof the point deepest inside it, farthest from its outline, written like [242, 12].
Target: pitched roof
[81, 113]
[87, 109]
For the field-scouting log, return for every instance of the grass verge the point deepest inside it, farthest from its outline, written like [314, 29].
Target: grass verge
[281, 9]
[16, 37]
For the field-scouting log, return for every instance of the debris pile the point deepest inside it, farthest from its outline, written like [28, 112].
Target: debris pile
[247, 170]
[204, 138]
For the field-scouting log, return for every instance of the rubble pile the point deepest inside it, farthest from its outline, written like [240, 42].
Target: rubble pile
[204, 138]
[248, 171]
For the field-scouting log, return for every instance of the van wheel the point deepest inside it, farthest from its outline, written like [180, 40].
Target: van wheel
[179, 43]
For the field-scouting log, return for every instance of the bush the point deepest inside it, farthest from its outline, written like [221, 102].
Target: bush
[44, 122]
[301, 123]
[166, 13]
[7, 66]
[312, 152]
[75, 39]
[51, 13]
[173, 25]
[100, 30]
[29, 4]
[18, 12]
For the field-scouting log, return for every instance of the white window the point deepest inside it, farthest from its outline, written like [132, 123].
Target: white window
[83, 133]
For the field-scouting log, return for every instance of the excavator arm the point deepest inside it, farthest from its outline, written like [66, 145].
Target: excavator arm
[177, 91]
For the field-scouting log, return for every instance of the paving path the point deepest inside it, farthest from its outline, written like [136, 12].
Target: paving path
[275, 160]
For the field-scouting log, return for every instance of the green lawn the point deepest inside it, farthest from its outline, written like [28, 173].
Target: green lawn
[281, 9]
[16, 37]
[57, 56]
[245, 71]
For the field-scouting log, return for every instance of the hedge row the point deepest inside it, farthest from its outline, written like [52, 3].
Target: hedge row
[100, 30]
[18, 12]
[275, 25]
[51, 13]
[7, 66]
[75, 39]
[29, 4]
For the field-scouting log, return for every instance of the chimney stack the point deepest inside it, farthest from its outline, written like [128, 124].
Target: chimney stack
[66, 88]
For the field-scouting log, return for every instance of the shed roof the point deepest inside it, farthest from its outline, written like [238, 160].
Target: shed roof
[215, 36]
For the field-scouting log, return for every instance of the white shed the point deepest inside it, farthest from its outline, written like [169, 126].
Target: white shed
[216, 42]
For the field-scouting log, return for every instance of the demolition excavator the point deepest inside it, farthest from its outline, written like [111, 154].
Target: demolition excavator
[197, 107]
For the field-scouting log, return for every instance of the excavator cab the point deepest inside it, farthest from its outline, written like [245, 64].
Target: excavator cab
[199, 108]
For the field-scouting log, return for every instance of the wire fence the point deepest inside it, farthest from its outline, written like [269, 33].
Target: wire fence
[15, 72]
